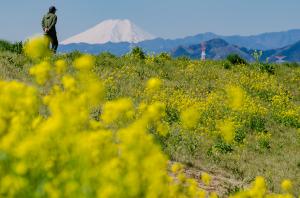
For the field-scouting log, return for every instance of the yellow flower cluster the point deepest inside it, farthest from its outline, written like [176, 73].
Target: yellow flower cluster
[227, 129]
[41, 72]
[84, 63]
[190, 118]
[60, 66]
[259, 190]
[236, 97]
[69, 153]
[37, 48]
[206, 178]
[114, 109]
[153, 84]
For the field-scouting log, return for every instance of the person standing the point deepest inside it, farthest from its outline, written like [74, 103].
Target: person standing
[48, 24]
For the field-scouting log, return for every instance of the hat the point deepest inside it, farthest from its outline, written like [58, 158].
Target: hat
[52, 9]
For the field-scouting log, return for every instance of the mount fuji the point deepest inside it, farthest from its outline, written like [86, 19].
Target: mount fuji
[114, 31]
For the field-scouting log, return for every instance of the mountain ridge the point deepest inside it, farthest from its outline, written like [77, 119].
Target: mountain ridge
[271, 43]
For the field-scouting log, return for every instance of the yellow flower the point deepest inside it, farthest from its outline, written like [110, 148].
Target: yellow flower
[190, 118]
[60, 66]
[114, 109]
[258, 187]
[41, 72]
[202, 193]
[21, 168]
[3, 126]
[163, 129]
[68, 82]
[176, 168]
[213, 195]
[236, 97]
[206, 178]
[154, 84]
[227, 129]
[287, 185]
[37, 47]
[155, 111]
[85, 62]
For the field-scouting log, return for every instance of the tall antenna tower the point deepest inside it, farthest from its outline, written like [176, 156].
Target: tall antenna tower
[203, 51]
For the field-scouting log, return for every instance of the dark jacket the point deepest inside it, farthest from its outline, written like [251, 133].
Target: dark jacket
[49, 22]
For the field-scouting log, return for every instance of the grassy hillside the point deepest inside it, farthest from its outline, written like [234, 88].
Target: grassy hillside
[240, 119]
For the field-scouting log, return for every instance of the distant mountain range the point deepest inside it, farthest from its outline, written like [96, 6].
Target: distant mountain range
[217, 49]
[120, 36]
[290, 52]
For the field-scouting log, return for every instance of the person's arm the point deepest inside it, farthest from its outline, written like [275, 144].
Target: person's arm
[43, 23]
[53, 22]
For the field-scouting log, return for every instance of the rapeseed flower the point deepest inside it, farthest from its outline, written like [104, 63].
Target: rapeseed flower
[206, 178]
[115, 109]
[85, 62]
[69, 82]
[37, 48]
[60, 66]
[153, 84]
[176, 168]
[227, 129]
[190, 118]
[287, 185]
[41, 72]
[236, 97]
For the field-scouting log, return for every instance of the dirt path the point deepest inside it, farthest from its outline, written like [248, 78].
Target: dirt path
[222, 182]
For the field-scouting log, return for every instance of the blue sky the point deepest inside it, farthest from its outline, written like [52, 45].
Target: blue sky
[20, 19]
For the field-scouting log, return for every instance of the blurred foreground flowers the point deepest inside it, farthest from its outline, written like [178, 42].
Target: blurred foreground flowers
[66, 152]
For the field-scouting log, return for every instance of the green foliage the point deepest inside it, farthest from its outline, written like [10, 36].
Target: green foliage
[240, 135]
[11, 47]
[235, 59]
[137, 53]
[183, 59]
[257, 123]
[164, 56]
[266, 67]
[172, 115]
[73, 55]
[223, 147]
[293, 64]
[226, 65]
[106, 55]
[257, 55]
[264, 141]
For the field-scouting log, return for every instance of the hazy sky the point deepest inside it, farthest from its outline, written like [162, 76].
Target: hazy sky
[164, 18]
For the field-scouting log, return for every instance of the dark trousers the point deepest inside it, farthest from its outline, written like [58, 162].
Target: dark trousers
[53, 39]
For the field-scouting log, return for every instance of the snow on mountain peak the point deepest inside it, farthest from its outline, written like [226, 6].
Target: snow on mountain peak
[112, 30]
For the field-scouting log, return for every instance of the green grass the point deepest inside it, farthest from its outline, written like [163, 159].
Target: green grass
[267, 145]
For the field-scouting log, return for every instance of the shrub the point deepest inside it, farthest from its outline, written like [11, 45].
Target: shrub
[73, 55]
[138, 53]
[266, 67]
[292, 64]
[162, 57]
[235, 59]
[11, 47]
[106, 55]
[240, 135]
[226, 65]
[257, 123]
[223, 147]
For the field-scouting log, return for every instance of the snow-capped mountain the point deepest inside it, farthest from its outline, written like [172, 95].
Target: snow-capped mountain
[114, 31]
